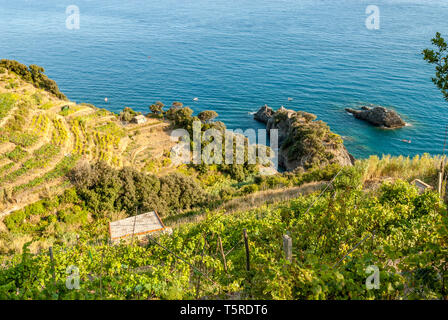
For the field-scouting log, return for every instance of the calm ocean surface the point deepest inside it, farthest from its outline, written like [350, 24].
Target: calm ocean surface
[236, 55]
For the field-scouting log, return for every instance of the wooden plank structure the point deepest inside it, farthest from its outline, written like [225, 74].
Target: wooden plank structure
[136, 226]
[287, 247]
[421, 186]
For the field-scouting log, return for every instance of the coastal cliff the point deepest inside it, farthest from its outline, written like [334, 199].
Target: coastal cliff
[303, 142]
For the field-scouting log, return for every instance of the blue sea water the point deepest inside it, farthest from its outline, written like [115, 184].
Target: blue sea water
[236, 55]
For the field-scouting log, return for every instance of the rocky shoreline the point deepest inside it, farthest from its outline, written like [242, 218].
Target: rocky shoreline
[303, 142]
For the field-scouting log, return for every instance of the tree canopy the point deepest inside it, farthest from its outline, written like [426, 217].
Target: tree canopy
[207, 115]
[157, 107]
[177, 104]
[439, 57]
[128, 114]
[180, 116]
[105, 189]
[33, 74]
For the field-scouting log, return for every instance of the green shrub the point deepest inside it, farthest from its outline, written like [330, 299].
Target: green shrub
[51, 203]
[181, 116]
[14, 220]
[399, 192]
[157, 108]
[50, 219]
[69, 196]
[226, 193]
[128, 114]
[207, 115]
[312, 141]
[34, 75]
[37, 98]
[74, 215]
[105, 189]
[247, 189]
[180, 191]
[66, 110]
[36, 208]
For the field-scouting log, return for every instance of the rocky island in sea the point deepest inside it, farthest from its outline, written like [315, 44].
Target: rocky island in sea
[378, 116]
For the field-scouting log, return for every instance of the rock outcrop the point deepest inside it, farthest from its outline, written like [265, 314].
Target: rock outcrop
[378, 116]
[264, 114]
[303, 142]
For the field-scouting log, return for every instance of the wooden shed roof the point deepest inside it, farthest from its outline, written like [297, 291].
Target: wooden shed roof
[136, 225]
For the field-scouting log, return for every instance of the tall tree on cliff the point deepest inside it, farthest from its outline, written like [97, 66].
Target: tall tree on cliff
[157, 107]
[439, 57]
[207, 115]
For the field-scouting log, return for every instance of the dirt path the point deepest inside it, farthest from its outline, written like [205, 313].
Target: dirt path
[6, 147]
[136, 152]
[80, 113]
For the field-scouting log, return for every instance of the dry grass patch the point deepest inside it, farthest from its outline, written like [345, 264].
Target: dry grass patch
[256, 200]
[423, 167]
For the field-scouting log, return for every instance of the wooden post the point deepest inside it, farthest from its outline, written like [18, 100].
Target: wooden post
[101, 276]
[287, 247]
[52, 264]
[246, 243]
[439, 186]
[198, 284]
[224, 262]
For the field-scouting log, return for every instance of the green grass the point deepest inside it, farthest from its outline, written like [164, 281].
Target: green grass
[6, 167]
[61, 169]
[424, 167]
[46, 106]
[23, 139]
[17, 154]
[47, 151]
[113, 129]
[18, 121]
[68, 111]
[7, 101]
[37, 97]
[41, 158]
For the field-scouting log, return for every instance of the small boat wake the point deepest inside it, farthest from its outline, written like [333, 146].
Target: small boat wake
[403, 140]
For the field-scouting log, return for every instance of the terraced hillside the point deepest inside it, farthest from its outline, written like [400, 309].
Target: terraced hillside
[43, 136]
